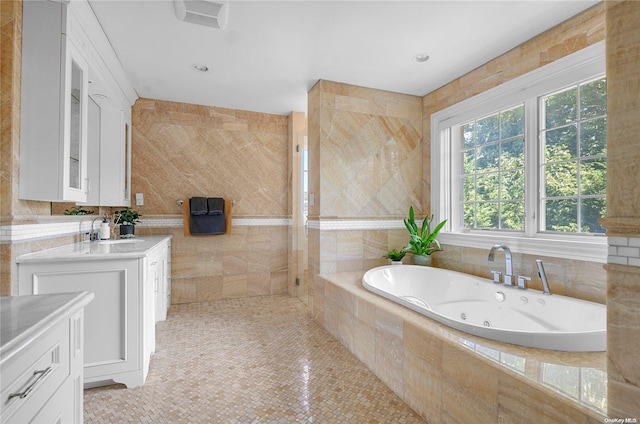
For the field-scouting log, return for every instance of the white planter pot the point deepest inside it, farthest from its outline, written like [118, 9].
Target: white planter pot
[422, 260]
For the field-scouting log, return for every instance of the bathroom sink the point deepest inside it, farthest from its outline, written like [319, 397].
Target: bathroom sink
[121, 241]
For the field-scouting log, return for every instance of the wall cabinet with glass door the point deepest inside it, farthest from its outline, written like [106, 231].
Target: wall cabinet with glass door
[53, 132]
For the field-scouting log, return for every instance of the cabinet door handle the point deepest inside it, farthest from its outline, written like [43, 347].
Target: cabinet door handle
[22, 395]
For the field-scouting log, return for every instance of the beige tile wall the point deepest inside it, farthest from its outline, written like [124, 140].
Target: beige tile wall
[370, 157]
[623, 204]
[365, 162]
[252, 261]
[184, 150]
[580, 279]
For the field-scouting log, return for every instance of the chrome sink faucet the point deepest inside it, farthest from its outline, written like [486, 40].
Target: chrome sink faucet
[93, 234]
[508, 275]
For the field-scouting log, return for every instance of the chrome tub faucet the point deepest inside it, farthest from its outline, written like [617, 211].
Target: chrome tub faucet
[508, 275]
[543, 277]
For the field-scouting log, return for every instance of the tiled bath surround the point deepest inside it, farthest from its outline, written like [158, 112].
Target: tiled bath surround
[449, 376]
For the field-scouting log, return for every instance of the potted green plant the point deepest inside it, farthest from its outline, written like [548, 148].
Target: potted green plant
[424, 239]
[77, 210]
[127, 218]
[395, 256]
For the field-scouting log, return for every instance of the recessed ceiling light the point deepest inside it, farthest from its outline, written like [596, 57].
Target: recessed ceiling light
[200, 67]
[421, 57]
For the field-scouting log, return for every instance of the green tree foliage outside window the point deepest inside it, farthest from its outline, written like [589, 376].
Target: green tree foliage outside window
[574, 164]
[493, 171]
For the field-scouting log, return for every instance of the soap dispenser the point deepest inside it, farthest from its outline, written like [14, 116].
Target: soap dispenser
[105, 230]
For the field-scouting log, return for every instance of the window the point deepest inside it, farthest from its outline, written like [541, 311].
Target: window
[574, 163]
[493, 171]
[525, 163]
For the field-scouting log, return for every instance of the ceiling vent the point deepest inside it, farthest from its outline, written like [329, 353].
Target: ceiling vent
[203, 12]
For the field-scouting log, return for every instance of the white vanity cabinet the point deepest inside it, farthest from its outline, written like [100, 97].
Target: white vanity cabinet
[53, 131]
[41, 358]
[159, 277]
[120, 322]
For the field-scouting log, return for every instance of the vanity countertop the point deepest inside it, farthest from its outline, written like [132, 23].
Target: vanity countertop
[24, 318]
[134, 247]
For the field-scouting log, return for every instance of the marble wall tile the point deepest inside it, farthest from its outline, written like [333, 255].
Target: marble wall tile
[183, 290]
[204, 151]
[259, 283]
[389, 350]
[235, 285]
[623, 317]
[214, 267]
[369, 147]
[423, 372]
[330, 310]
[364, 344]
[278, 282]
[623, 193]
[539, 408]
[208, 288]
[623, 400]
[623, 204]
[469, 389]
[346, 328]
[580, 279]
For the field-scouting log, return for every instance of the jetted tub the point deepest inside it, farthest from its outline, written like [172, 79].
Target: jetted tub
[483, 308]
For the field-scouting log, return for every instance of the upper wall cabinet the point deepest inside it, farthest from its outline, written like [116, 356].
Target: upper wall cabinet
[75, 142]
[53, 132]
[109, 144]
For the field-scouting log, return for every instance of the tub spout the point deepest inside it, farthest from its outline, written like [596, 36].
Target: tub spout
[543, 277]
[508, 275]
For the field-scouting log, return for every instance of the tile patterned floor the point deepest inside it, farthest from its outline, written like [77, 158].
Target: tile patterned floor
[251, 360]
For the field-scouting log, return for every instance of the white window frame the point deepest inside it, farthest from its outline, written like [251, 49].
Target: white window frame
[573, 69]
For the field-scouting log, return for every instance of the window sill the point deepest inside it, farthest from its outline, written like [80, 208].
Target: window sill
[587, 248]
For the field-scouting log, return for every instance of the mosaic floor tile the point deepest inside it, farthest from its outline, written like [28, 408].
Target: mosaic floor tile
[250, 360]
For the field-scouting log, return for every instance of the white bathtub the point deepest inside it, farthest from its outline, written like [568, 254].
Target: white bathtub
[480, 307]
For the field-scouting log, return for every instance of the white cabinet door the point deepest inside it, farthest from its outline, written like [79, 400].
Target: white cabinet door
[109, 143]
[53, 138]
[115, 158]
[113, 330]
[159, 279]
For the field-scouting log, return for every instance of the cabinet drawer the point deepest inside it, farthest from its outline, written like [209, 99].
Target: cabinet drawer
[33, 375]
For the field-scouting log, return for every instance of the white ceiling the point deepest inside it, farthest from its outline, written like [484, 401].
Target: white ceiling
[272, 52]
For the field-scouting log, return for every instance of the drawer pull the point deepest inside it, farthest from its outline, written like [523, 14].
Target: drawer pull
[24, 394]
